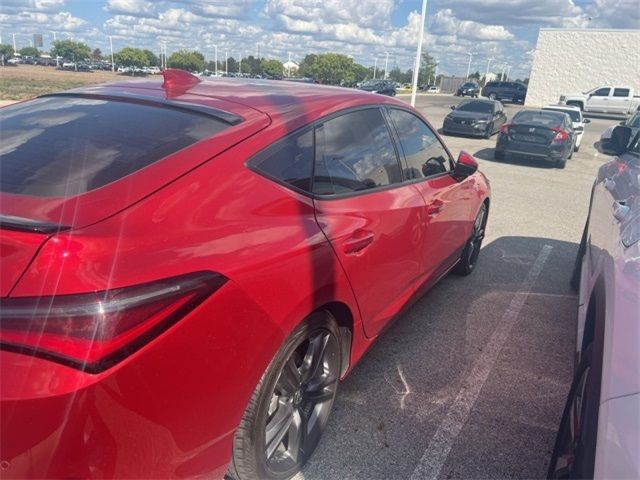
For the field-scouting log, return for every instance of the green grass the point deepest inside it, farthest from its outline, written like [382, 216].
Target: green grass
[18, 89]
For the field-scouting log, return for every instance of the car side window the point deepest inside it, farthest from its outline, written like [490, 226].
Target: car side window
[621, 92]
[601, 92]
[289, 161]
[425, 155]
[354, 152]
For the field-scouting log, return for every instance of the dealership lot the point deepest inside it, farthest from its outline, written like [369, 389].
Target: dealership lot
[470, 382]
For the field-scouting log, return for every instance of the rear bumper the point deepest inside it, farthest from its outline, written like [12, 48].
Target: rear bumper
[457, 128]
[170, 410]
[551, 152]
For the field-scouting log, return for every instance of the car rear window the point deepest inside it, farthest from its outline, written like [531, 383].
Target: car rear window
[67, 145]
[540, 117]
[574, 114]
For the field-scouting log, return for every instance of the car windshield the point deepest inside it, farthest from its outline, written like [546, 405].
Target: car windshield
[371, 83]
[65, 146]
[574, 114]
[479, 107]
[468, 85]
[540, 117]
[634, 122]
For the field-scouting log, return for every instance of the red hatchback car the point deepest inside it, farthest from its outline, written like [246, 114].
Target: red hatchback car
[189, 268]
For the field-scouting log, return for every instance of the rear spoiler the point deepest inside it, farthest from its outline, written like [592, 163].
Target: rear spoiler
[20, 224]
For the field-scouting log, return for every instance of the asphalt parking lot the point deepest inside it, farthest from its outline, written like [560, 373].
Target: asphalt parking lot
[471, 381]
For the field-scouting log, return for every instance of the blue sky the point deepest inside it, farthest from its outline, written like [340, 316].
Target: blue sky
[503, 30]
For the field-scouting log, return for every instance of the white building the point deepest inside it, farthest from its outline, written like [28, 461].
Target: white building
[577, 60]
[290, 68]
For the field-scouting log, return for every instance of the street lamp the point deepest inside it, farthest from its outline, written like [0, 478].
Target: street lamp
[469, 65]
[113, 67]
[226, 63]
[416, 68]
[486, 75]
[375, 67]
[386, 65]
[216, 58]
[55, 39]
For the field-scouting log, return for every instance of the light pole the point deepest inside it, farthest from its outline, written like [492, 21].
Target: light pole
[289, 66]
[15, 49]
[508, 72]
[486, 75]
[375, 67]
[240, 63]
[216, 58]
[416, 68]
[113, 66]
[469, 65]
[504, 69]
[226, 63]
[386, 65]
[55, 39]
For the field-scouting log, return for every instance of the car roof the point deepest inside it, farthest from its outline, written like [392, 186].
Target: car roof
[291, 103]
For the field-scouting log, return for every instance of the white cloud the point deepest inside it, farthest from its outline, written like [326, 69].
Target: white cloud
[130, 7]
[444, 22]
[614, 13]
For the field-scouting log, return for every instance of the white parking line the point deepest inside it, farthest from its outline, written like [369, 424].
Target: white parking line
[438, 450]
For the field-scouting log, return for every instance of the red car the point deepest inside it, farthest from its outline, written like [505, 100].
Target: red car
[189, 268]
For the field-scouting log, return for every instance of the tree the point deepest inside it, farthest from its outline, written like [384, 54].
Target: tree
[332, 68]
[272, 68]
[307, 64]
[96, 54]
[6, 52]
[232, 65]
[131, 57]
[29, 52]
[186, 60]
[252, 65]
[427, 68]
[70, 50]
[152, 59]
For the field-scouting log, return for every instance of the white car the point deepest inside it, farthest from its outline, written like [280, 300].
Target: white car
[577, 119]
[433, 89]
[599, 435]
[13, 61]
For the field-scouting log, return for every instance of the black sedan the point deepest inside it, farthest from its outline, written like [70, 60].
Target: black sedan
[471, 89]
[475, 117]
[542, 134]
[382, 87]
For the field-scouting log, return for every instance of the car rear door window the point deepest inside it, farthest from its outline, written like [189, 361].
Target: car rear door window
[424, 154]
[354, 152]
[68, 145]
[621, 92]
[288, 161]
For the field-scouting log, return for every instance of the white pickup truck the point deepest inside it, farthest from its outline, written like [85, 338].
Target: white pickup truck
[606, 99]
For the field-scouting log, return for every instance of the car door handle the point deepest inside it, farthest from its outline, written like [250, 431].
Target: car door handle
[621, 210]
[609, 184]
[358, 241]
[435, 207]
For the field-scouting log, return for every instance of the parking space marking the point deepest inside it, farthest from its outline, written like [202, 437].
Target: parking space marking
[436, 454]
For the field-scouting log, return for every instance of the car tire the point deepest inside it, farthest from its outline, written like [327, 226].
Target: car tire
[577, 266]
[488, 132]
[576, 148]
[498, 155]
[492, 96]
[573, 454]
[469, 257]
[300, 382]
[393, 93]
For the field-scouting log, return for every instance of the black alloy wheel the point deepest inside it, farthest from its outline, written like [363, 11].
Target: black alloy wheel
[471, 251]
[290, 407]
[574, 450]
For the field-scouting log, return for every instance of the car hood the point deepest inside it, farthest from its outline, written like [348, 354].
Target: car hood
[469, 115]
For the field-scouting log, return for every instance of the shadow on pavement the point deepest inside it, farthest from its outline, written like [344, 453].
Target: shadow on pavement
[488, 155]
[393, 402]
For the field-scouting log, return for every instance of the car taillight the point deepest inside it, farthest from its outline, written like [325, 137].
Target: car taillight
[93, 331]
[561, 135]
[504, 129]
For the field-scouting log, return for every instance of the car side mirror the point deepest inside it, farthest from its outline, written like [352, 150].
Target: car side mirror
[453, 107]
[465, 166]
[619, 141]
[586, 120]
[622, 123]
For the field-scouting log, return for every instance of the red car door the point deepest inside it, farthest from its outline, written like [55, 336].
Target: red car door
[373, 220]
[448, 201]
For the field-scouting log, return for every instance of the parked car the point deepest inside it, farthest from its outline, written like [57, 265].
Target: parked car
[475, 117]
[471, 89]
[633, 122]
[599, 433]
[578, 120]
[539, 134]
[68, 65]
[185, 279]
[605, 99]
[13, 61]
[433, 89]
[505, 91]
[382, 87]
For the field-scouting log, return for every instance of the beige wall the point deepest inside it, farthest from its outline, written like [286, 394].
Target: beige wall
[577, 60]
